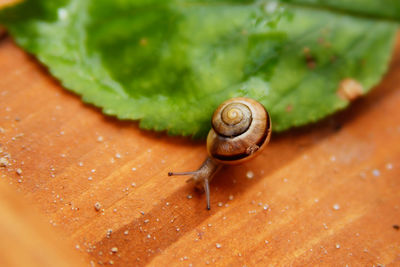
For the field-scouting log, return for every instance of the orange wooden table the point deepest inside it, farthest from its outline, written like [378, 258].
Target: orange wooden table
[323, 195]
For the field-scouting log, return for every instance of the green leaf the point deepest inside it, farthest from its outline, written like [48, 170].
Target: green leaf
[170, 63]
[383, 9]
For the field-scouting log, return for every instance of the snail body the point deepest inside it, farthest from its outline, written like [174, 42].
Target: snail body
[241, 129]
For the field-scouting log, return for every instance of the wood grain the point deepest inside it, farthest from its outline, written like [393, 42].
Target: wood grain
[324, 195]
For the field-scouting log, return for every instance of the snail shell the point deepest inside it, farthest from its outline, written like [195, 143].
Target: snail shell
[240, 127]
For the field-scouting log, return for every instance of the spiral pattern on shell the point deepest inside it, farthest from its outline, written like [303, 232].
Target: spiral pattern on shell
[240, 127]
[232, 119]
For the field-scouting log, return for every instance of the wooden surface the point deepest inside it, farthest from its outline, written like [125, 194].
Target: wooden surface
[25, 237]
[325, 195]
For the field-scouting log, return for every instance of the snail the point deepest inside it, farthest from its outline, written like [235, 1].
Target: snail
[241, 128]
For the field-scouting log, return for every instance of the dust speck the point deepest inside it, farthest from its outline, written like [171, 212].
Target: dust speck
[250, 175]
[4, 162]
[109, 232]
[218, 245]
[336, 207]
[97, 206]
[376, 173]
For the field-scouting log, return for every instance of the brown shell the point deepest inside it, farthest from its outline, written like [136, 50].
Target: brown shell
[231, 119]
[241, 147]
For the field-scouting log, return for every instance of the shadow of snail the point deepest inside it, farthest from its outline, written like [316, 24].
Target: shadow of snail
[241, 129]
